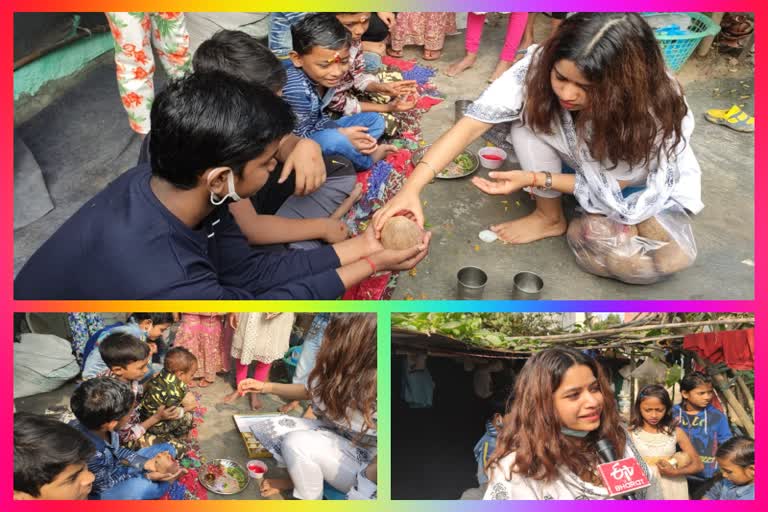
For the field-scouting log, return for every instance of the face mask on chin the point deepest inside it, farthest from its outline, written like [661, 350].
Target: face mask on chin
[231, 193]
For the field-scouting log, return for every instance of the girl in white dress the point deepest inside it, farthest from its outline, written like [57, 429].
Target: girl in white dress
[656, 437]
[562, 407]
[596, 96]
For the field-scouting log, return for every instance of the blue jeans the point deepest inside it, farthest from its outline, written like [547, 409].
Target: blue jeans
[334, 143]
[312, 342]
[138, 487]
[372, 62]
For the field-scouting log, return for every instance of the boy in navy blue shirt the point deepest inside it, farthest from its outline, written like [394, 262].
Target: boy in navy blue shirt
[162, 231]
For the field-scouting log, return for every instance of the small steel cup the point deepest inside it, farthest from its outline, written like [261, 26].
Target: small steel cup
[460, 106]
[471, 283]
[527, 286]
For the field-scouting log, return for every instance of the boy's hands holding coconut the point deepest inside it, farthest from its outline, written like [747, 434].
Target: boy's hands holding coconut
[402, 246]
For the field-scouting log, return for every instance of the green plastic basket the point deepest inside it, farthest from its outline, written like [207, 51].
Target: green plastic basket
[677, 48]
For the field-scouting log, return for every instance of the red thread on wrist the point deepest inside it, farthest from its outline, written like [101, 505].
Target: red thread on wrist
[371, 263]
[533, 184]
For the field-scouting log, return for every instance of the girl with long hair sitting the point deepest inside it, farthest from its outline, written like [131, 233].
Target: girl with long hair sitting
[562, 407]
[597, 96]
[340, 446]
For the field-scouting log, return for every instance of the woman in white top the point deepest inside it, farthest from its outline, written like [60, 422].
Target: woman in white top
[340, 446]
[596, 96]
[561, 407]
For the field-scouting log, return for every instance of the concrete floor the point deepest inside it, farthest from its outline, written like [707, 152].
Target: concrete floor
[457, 212]
[218, 436]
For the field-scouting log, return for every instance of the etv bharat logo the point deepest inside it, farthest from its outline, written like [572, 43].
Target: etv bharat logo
[621, 472]
[623, 476]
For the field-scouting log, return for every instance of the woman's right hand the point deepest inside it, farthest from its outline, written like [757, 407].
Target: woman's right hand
[250, 386]
[233, 321]
[403, 200]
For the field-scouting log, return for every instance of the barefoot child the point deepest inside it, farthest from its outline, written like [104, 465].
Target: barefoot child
[49, 460]
[320, 58]
[102, 406]
[574, 100]
[653, 429]
[356, 81]
[169, 391]
[127, 358]
[736, 458]
[705, 425]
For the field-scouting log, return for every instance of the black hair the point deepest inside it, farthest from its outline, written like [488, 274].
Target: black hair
[208, 120]
[738, 450]
[101, 400]
[42, 448]
[694, 380]
[320, 29]
[667, 423]
[238, 54]
[155, 318]
[121, 349]
[179, 359]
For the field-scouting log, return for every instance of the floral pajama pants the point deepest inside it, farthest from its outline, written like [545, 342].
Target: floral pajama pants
[135, 34]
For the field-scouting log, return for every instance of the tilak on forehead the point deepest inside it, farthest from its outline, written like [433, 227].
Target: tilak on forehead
[336, 58]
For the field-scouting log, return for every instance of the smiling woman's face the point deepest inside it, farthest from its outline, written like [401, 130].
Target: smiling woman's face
[578, 400]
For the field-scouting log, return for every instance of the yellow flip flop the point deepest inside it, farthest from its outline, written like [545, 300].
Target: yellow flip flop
[733, 118]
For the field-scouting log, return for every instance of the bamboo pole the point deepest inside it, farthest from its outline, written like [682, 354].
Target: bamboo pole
[747, 395]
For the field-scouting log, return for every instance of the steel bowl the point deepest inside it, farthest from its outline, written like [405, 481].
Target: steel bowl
[227, 463]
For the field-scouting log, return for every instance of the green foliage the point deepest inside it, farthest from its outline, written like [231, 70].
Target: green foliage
[497, 330]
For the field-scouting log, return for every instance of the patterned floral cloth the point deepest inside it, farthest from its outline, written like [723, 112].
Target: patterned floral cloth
[83, 326]
[201, 334]
[135, 34]
[427, 29]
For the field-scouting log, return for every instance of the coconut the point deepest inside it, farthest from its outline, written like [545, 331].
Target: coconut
[400, 233]
[635, 268]
[671, 258]
[682, 459]
[653, 230]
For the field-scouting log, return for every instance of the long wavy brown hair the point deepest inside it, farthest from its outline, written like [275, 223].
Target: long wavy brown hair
[532, 428]
[635, 110]
[344, 376]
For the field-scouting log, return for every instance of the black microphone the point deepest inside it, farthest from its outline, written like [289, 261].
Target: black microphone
[607, 454]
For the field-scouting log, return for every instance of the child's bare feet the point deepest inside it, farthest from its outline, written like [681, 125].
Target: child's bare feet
[309, 414]
[230, 398]
[289, 407]
[535, 226]
[273, 486]
[349, 202]
[381, 152]
[501, 67]
[461, 65]
[255, 402]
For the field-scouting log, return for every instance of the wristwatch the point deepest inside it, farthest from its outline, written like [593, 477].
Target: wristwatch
[548, 181]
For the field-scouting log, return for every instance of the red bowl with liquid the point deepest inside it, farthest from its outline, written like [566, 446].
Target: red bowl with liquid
[492, 158]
